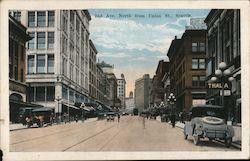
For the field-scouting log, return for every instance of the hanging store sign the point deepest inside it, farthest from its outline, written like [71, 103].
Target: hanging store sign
[217, 86]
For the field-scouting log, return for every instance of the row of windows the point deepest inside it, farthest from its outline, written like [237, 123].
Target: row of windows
[40, 39]
[42, 93]
[41, 18]
[73, 95]
[40, 65]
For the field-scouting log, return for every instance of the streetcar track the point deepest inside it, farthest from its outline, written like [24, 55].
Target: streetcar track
[35, 138]
[88, 138]
[114, 135]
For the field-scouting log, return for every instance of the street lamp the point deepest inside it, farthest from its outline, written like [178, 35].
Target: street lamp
[171, 99]
[68, 100]
[59, 115]
[222, 75]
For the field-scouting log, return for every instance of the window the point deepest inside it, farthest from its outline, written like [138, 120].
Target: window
[64, 66]
[17, 16]
[195, 81]
[202, 80]
[51, 18]
[202, 64]
[198, 81]
[71, 95]
[31, 43]
[50, 40]
[194, 47]
[40, 93]
[194, 63]
[31, 19]
[50, 63]
[50, 93]
[40, 63]
[198, 64]
[41, 19]
[64, 92]
[40, 40]
[31, 60]
[202, 47]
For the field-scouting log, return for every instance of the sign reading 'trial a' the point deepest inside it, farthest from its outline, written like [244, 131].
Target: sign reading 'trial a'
[217, 86]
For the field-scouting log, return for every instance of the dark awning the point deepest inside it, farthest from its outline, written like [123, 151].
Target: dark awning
[43, 109]
[24, 104]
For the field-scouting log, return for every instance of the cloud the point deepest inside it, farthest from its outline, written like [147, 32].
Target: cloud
[114, 55]
[128, 34]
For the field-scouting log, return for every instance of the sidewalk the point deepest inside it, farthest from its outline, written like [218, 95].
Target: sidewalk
[19, 126]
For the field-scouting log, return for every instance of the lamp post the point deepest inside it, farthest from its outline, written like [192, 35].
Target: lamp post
[223, 75]
[68, 100]
[59, 115]
[171, 99]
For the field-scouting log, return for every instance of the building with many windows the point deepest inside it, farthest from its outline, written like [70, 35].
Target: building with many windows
[110, 85]
[142, 91]
[121, 90]
[188, 69]
[223, 41]
[17, 80]
[57, 58]
[158, 92]
[92, 71]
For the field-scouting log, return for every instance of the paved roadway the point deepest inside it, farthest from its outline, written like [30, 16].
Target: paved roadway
[127, 135]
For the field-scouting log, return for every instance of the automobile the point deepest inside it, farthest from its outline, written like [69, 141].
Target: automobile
[38, 116]
[110, 116]
[208, 121]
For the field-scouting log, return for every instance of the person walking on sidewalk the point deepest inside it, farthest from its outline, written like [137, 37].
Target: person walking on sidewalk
[118, 117]
[172, 119]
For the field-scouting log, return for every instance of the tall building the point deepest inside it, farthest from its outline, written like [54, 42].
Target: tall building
[92, 71]
[111, 84]
[57, 58]
[158, 92]
[188, 69]
[121, 90]
[17, 54]
[130, 103]
[223, 41]
[142, 89]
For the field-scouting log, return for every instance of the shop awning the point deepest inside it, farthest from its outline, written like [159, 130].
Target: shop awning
[43, 109]
[25, 104]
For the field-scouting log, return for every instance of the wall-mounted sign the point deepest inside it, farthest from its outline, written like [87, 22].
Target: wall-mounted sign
[226, 92]
[217, 86]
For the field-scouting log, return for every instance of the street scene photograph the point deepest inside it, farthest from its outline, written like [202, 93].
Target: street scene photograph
[125, 80]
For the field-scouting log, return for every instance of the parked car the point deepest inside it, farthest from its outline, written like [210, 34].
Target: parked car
[208, 121]
[38, 116]
[110, 116]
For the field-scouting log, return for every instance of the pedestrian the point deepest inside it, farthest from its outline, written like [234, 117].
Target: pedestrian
[143, 122]
[118, 117]
[64, 118]
[76, 118]
[172, 119]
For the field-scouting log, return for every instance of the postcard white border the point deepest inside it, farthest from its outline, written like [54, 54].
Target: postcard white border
[116, 4]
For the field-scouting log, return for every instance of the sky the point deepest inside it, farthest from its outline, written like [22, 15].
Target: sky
[135, 40]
